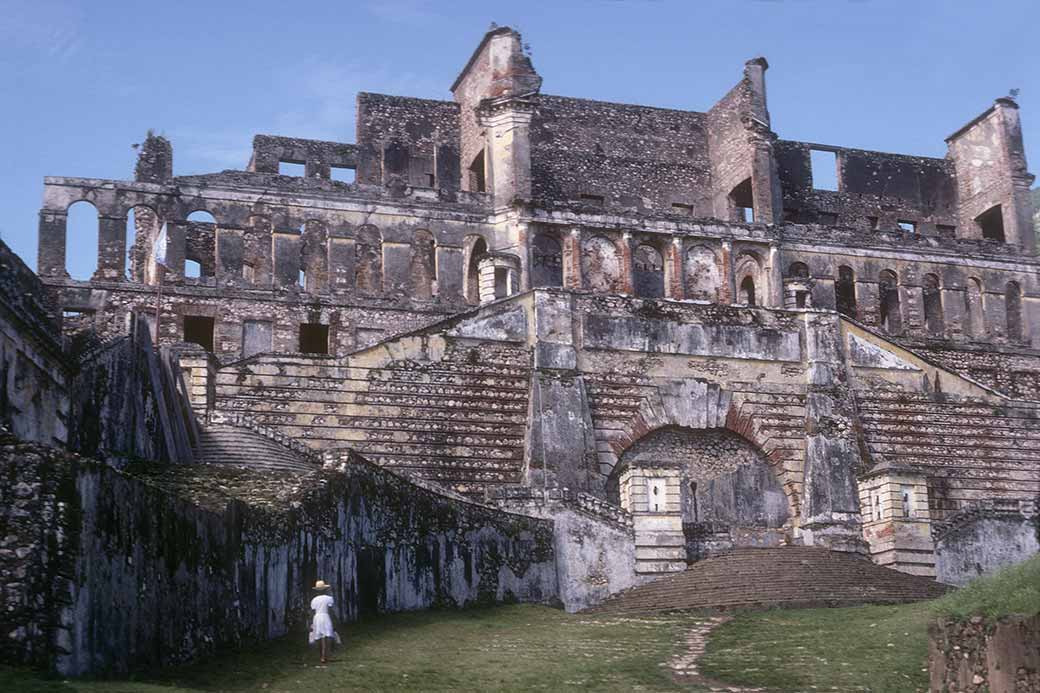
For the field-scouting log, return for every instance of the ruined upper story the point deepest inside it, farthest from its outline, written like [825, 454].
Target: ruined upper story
[440, 204]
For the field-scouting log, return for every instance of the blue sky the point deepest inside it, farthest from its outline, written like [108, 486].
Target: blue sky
[81, 82]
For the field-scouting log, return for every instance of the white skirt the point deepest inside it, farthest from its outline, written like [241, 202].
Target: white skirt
[321, 627]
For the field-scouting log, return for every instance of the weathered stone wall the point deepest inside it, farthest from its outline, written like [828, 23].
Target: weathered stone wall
[129, 402]
[104, 571]
[33, 400]
[634, 157]
[983, 656]
[984, 537]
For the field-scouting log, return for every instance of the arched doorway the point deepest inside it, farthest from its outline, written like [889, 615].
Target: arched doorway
[721, 485]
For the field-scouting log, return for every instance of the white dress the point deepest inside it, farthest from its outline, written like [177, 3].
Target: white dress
[321, 626]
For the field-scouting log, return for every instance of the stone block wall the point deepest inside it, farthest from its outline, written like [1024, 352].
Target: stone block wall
[984, 656]
[103, 571]
[984, 537]
[33, 400]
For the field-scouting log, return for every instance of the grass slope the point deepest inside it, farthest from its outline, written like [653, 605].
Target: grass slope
[512, 648]
[881, 649]
[1013, 590]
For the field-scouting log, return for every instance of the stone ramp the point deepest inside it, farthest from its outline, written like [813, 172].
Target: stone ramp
[224, 444]
[791, 576]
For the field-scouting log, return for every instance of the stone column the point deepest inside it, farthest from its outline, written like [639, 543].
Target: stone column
[111, 251]
[674, 288]
[50, 255]
[508, 149]
[776, 278]
[627, 283]
[572, 259]
[765, 186]
[175, 241]
[727, 291]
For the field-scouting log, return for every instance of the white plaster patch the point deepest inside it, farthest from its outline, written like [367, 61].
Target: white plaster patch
[869, 355]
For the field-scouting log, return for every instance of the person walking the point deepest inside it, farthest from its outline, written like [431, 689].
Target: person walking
[321, 626]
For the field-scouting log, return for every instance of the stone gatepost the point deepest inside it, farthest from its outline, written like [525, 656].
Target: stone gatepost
[652, 493]
[896, 522]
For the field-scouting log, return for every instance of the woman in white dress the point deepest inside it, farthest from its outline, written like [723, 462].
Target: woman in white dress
[321, 626]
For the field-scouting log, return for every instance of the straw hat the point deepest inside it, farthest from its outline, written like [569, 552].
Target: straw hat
[321, 585]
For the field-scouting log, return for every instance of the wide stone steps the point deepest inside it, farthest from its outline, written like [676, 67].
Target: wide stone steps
[788, 576]
[221, 444]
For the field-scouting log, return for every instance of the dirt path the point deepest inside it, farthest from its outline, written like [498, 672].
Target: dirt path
[684, 665]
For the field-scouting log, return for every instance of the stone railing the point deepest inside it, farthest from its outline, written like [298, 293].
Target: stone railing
[242, 421]
[519, 496]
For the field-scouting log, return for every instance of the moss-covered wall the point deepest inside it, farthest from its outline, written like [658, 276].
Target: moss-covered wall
[164, 565]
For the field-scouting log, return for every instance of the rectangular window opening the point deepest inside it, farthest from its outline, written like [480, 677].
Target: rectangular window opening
[682, 208]
[991, 224]
[291, 168]
[946, 230]
[596, 200]
[198, 329]
[908, 226]
[746, 214]
[824, 169]
[343, 174]
[314, 338]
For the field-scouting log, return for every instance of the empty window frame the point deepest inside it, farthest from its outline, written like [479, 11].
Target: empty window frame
[933, 307]
[845, 292]
[991, 224]
[198, 329]
[192, 269]
[890, 312]
[343, 174]
[824, 167]
[742, 199]
[292, 168]
[747, 291]
[314, 338]
[477, 177]
[908, 226]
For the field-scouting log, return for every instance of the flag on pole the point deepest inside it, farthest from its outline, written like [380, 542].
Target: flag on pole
[159, 249]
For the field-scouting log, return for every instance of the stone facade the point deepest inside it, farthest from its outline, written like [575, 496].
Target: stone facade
[518, 290]
[985, 656]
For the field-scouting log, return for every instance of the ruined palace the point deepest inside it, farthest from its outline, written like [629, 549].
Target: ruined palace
[666, 323]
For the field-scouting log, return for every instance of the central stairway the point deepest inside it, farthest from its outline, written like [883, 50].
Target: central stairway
[233, 445]
[790, 576]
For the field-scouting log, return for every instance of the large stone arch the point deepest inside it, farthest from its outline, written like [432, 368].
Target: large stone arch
[727, 486]
[695, 405]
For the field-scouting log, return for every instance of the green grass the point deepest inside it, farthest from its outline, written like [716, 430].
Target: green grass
[1013, 590]
[881, 649]
[511, 648]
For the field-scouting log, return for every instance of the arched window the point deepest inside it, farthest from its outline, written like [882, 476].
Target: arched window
[423, 266]
[200, 242]
[798, 270]
[1013, 306]
[368, 261]
[747, 291]
[81, 235]
[648, 271]
[546, 261]
[701, 273]
[933, 308]
[600, 265]
[974, 322]
[845, 291]
[477, 250]
[748, 276]
[890, 316]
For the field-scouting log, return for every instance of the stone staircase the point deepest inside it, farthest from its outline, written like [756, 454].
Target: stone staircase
[234, 445]
[790, 576]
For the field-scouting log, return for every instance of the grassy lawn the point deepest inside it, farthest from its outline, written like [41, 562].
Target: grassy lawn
[511, 648]
[881, 649]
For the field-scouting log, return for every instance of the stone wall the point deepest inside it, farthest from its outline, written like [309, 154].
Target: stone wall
[985, 537]
[129, 401]
[103, 570]
[984, 656]
[33, 400]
